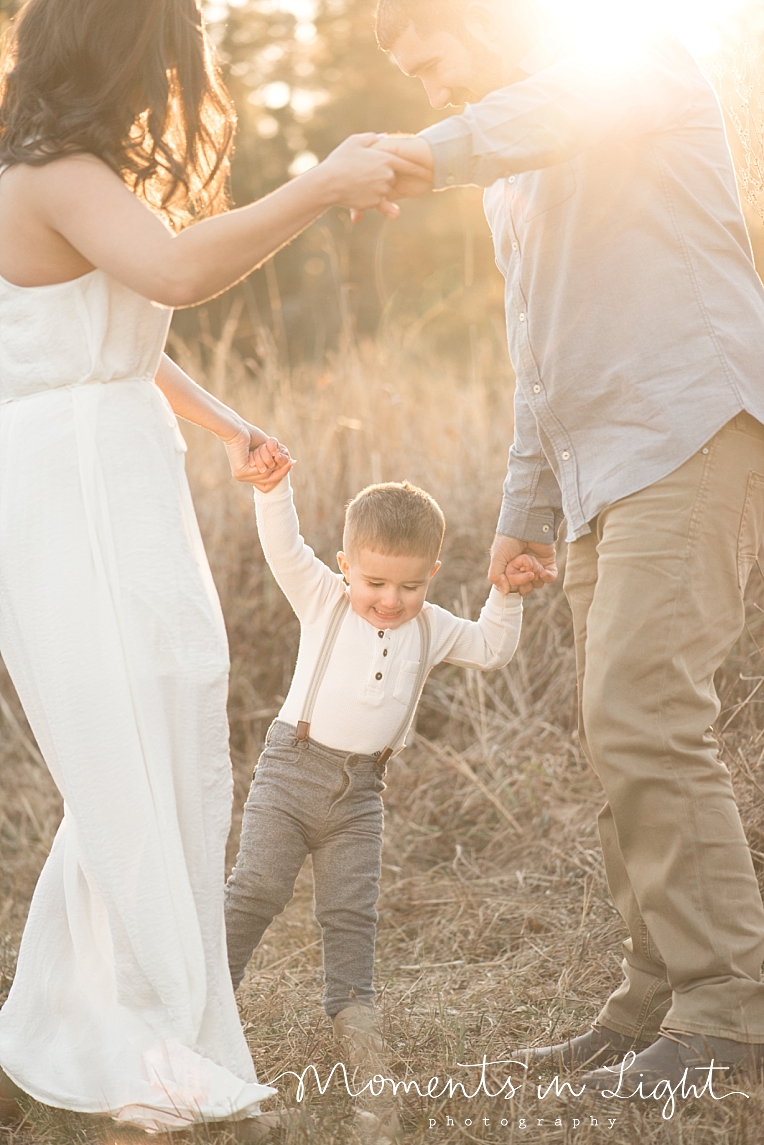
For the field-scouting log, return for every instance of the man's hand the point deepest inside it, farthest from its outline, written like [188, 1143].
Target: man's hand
[417, 179]
[504, 573]
[412, 181]
[524, 569]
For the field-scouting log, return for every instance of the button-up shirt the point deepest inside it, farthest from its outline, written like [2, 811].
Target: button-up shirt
[635, 316]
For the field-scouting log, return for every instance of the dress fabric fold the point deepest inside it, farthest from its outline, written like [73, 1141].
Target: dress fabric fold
[111, 630]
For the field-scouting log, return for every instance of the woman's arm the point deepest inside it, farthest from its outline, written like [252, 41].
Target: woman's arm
[81, 200]
[242, 440]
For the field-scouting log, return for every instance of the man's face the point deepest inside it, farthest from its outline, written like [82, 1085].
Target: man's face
[446, 65]
[474, 57]
[452, 70]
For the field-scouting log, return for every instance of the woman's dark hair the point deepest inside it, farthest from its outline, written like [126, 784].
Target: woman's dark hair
[134, 82]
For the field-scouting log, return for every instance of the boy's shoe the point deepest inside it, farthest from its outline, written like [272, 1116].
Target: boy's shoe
[599, 1046]
[10, 1110]
[357, 1030]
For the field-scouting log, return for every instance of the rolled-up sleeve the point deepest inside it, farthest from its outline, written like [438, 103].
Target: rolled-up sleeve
[574, 104]
[531, 508]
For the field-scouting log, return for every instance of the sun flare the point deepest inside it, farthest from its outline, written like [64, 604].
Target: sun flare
[699, 24]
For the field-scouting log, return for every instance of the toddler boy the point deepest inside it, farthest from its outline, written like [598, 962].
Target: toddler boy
[368, 639]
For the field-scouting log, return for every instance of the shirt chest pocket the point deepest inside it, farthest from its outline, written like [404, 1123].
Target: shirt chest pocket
[547, 188]
[404, 685]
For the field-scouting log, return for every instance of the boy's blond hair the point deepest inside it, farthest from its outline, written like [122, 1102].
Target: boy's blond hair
[395, 518]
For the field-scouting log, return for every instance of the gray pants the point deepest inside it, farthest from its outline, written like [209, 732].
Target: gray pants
[307, 799]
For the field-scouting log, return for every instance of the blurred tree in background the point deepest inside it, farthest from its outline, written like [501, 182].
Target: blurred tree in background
[305, 74]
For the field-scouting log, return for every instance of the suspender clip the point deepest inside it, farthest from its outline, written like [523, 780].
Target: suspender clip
[303, 731]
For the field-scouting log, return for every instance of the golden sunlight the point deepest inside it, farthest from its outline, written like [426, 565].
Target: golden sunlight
[699, 24]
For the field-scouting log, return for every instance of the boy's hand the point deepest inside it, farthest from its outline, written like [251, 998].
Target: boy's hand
[523, 570]
[505, 550]
[255, 458]
[270, 466]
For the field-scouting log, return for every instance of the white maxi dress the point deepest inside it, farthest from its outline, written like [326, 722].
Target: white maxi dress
[112, 632]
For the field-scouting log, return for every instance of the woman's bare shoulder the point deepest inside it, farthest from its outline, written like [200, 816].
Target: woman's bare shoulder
[60, 173]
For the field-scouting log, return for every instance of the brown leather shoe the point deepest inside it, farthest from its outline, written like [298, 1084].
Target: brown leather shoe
[596, 1047]
[674, 1057]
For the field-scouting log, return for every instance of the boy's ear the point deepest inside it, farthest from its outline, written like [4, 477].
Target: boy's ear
[344, 564]
[436, 566]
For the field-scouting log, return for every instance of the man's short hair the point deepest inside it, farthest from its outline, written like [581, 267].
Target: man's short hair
[395, 518]
[394, 17]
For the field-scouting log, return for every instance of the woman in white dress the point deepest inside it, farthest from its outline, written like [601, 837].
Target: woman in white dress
[112, 122]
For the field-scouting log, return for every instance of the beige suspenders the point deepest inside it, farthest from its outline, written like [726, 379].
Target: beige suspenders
[330, 639]
[324, 655]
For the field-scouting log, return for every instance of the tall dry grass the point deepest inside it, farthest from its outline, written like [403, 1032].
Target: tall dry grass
[496, 927]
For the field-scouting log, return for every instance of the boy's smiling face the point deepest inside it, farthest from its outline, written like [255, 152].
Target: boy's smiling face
[385, 589]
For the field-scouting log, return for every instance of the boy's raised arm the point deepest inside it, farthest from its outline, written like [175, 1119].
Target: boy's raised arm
[307, 583]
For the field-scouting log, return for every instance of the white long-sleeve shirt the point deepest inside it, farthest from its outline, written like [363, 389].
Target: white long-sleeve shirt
[372, 672]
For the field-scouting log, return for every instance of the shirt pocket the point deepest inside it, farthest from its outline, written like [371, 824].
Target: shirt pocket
[404, 685]
[547, 188]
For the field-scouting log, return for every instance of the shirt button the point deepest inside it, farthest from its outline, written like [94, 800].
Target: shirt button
[705, 449]
[566, 456]
[522, 317]
[380, 634]
[384, 652]
[378, 676]
[511, 178]
[544, 528]
[537, 389]
[450, 180]
[515, 246]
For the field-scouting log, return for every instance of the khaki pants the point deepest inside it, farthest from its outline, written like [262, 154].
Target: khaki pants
[656, 591]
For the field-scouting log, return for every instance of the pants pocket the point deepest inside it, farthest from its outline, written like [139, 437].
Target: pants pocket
[751, 536]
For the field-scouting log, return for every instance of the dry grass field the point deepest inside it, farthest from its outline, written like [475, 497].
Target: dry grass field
[496, 928]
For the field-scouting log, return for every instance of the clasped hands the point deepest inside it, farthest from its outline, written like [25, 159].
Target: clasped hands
[414, 180]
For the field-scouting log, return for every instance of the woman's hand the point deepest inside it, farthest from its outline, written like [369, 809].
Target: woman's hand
[257, 459]
[360, 175]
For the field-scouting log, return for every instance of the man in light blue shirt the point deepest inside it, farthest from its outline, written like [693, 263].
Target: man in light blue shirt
[635, 321]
